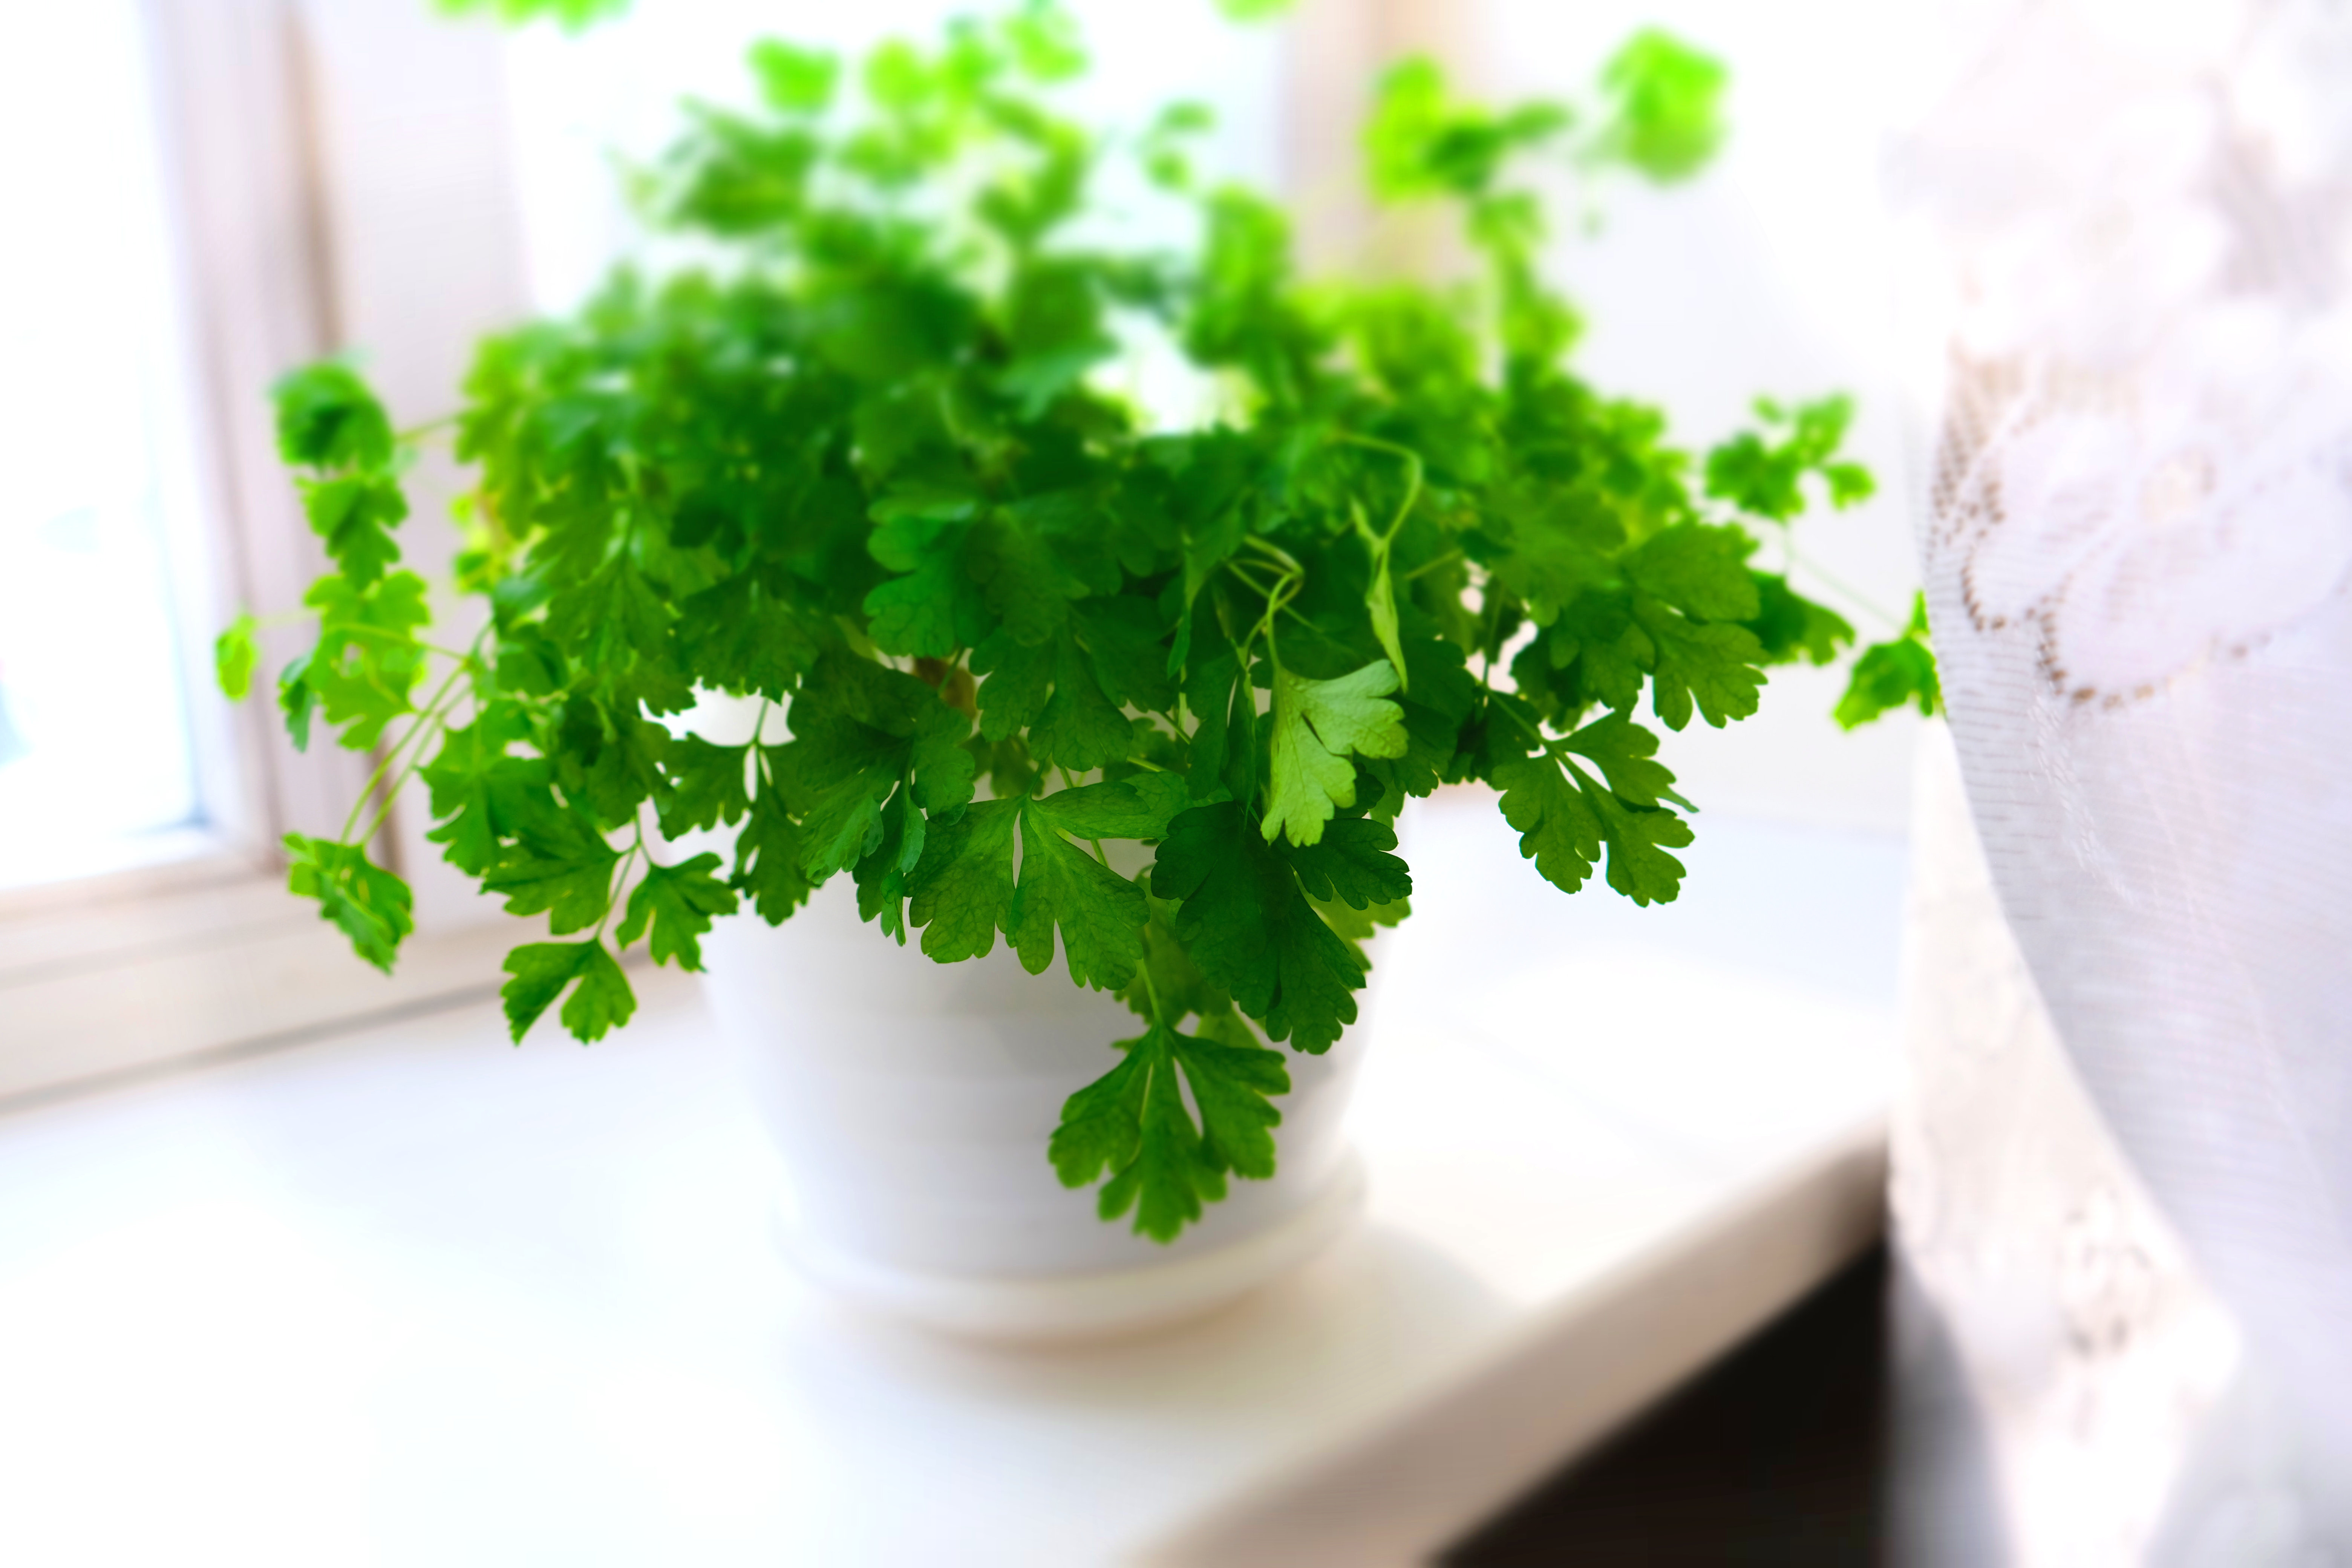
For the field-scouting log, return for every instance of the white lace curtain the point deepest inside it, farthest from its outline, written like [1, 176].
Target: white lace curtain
[2124, 1156]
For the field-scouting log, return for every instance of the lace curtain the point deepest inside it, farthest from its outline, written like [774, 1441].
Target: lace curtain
[2124, 1155]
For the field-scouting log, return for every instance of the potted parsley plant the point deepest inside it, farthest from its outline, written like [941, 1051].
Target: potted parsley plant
[1014, 672]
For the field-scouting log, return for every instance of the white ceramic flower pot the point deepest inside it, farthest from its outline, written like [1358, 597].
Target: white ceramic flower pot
[912, 1102]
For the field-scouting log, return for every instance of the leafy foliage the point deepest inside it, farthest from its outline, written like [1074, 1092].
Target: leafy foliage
[573, 14]
[860, 467]
[1891, 673]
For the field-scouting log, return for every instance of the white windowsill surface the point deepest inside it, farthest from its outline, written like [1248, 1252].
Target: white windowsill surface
[414, 1297]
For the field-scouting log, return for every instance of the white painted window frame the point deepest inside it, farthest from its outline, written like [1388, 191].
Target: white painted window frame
[337, 175]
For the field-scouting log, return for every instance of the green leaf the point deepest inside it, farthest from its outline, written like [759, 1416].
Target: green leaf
[568, 877]
[1421, 142]
[1789, 627]
[1713, 665]
[934, 609]
[960, 892]
[674, 907]
[795, 80]
[882, 874]
[609, 617]
[1890, 674]
[1138, 807]
[860, 731]
[369, 904]
[236, 653]
[600, 1001]
[1766, 477]
[329, 420]
[297, 699]
[355, 513]
[1080, 728]
[702, 785]
[368, 659]
[1018, 682]
[1564, 819]
[1558, 829]
[1132, 1126]
[1701, 569]
[574, 15]
[1244, 921]
[770, 861]
[738, 637]
[1623, 751]
[1099, 913]
[842, 824]
[1126, 644]
[484, 798]
[1665, 98]
[1352, 863]
[1317, 724]
[1027, 586]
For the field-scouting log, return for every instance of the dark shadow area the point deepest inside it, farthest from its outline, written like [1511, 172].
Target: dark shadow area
[1773, 1455]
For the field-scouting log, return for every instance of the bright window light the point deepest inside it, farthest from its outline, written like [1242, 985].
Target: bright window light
[95, 770]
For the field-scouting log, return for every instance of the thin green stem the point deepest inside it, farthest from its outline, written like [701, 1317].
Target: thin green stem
[1151, 990]
[436, 708]
[380, 635]
[621, 879]
[1426, 567]
[1282, 557]
[418, 432]
[425, 717]
[1852, 595]
[1413, 480]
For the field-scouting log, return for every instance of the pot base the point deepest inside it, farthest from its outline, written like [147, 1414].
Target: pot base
[1078, 1307]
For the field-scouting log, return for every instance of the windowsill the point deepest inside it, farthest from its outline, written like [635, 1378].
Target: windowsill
[416, 1296]
[136, 866]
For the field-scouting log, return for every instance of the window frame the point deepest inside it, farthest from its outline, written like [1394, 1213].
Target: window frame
[300, 217]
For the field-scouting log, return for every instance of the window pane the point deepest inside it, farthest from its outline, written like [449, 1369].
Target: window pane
[95, 758]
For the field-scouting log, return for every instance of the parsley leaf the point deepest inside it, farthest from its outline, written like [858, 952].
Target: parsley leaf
[368, 903]
[1099, 913]
[368, 659]
[1667, 122]
[1891, 673]
[354, 513]
[1316, 723]
[1245, 921]
[962, 889]
[771, 861]
[1564, 819]
[564, 869]
[674, 907]
[600, 1002]
[1132, 1125]
[236, 652]
[328, 419]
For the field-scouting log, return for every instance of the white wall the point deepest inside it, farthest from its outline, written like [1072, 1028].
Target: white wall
[580, 102]
[1769, 274]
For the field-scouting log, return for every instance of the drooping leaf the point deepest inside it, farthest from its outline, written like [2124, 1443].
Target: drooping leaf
[601, 1000]
[369, 904]
[673, 908]
[1891, 673]
[1098, 913]
[1131, 1126]
[1243, 919]
[236, 653]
